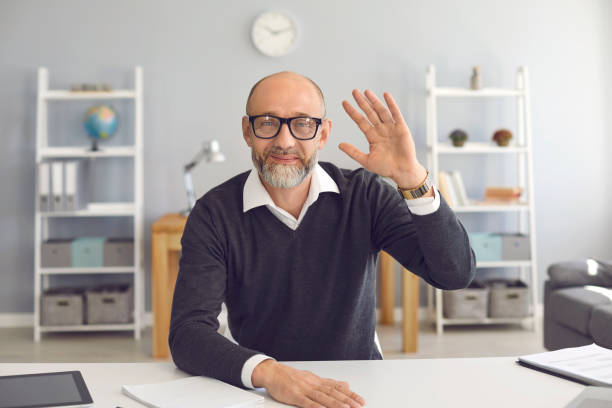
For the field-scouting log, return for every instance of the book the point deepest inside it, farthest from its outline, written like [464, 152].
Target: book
[591, 365]
[445, 188]
[503, 193]
[192, 392]
[459, 188]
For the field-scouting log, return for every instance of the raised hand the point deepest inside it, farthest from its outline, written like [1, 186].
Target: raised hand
[392, 151]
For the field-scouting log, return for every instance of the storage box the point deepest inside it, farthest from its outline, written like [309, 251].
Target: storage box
[487, 247]
[515, 247]
[119, 252]
[87, 252]
[466, 303]
[508, 298]
[61, 307]
[55, 253]
[109, 304]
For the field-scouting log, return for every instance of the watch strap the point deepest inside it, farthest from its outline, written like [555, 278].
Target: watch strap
[417, 192]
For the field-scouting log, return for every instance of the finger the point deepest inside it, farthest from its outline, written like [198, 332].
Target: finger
[340, 394]
[395, 111]
[366, 107]
[380, 108]
[362, 122]
[354, 153]
[344, 387]
[320, 396]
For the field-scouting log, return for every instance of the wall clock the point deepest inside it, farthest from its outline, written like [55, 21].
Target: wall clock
[274, 33]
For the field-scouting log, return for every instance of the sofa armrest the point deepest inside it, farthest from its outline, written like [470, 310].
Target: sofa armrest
[580, 273]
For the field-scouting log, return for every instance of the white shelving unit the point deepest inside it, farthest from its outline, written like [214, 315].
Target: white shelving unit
[132, 209]
[523, 150]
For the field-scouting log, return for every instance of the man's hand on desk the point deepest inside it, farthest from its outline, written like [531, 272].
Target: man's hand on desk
[303, 388]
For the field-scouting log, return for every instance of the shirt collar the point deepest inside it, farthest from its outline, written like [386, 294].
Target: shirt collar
[254, 194]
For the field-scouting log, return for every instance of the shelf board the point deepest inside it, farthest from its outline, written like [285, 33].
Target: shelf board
[487, 320]
[502, 264]
[123, 212]
[99, 270]
[88, 327]
[470, 93]
[87, 95]
[69, 152]
[476, 208]
[478, 147]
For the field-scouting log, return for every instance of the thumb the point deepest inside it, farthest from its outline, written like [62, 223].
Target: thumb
[354, 153]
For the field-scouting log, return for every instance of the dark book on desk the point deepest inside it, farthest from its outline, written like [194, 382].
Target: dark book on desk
[590, 364]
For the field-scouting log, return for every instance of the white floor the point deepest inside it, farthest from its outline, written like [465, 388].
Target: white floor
[16, 344]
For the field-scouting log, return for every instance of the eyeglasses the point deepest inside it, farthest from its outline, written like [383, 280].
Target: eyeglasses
[269, 126]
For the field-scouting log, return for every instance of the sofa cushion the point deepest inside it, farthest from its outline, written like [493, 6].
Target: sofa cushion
[578, 273]
[572, 307]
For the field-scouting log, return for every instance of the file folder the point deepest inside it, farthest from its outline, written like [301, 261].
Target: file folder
[57, 185]
[44, 203]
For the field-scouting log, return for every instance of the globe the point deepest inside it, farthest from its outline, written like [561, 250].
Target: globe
[100, 123]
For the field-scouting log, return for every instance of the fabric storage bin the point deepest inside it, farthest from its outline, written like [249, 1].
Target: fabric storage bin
[487, 247]
[87, 252]
[119, 252]
[508, 298]
[466, 303]
[109, 304]
[515, 247]
[55, 253]
[61, 307]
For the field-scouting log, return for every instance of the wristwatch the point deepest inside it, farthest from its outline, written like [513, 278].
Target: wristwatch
[417, 192]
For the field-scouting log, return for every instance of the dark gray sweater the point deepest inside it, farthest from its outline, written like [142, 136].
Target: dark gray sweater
[307, 294]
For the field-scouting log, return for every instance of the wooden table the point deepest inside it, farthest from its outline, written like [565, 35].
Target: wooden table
[166, 246]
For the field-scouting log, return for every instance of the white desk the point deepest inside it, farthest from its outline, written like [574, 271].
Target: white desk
[466, 382]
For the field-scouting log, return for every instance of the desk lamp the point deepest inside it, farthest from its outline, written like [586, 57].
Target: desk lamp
[211, 153]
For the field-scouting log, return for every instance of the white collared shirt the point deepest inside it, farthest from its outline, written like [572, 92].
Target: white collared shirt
[255, 195]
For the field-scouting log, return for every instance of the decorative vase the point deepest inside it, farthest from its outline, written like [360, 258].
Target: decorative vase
[476, 81]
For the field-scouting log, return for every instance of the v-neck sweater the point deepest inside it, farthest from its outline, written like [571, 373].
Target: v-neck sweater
[303, 294]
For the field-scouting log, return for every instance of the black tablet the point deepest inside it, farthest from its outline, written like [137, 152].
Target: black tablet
[60, 389]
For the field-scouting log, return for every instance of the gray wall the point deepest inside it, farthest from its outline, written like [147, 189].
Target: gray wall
[199, 65]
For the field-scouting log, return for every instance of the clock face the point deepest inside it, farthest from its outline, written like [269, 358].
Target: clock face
[274, 33]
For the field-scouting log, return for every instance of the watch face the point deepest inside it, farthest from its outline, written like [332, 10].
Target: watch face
[274, 33]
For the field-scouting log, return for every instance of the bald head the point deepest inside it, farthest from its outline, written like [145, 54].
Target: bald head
[288, 82]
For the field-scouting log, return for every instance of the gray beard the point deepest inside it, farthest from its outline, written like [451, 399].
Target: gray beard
[283, 175]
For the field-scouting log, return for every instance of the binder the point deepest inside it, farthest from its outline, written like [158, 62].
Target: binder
[57, 185]
[44, 203]
[70, 187]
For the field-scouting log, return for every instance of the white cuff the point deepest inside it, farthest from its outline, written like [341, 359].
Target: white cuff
[424, 205]
[249, 367]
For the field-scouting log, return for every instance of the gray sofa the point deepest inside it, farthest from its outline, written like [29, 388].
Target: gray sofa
[578, 305]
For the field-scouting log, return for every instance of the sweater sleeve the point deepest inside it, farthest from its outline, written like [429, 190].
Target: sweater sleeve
[195, 344]
[434, 246]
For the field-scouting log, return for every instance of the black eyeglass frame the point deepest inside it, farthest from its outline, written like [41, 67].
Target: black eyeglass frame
[287, 121]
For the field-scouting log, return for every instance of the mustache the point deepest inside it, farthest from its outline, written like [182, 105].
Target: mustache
[282, 152]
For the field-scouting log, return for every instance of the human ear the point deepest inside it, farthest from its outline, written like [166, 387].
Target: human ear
[246, 131]
[324, 132]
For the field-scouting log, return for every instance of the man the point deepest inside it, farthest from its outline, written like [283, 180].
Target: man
[291, 246]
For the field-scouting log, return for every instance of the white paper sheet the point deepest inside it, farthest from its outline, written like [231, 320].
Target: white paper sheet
[591, 364]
